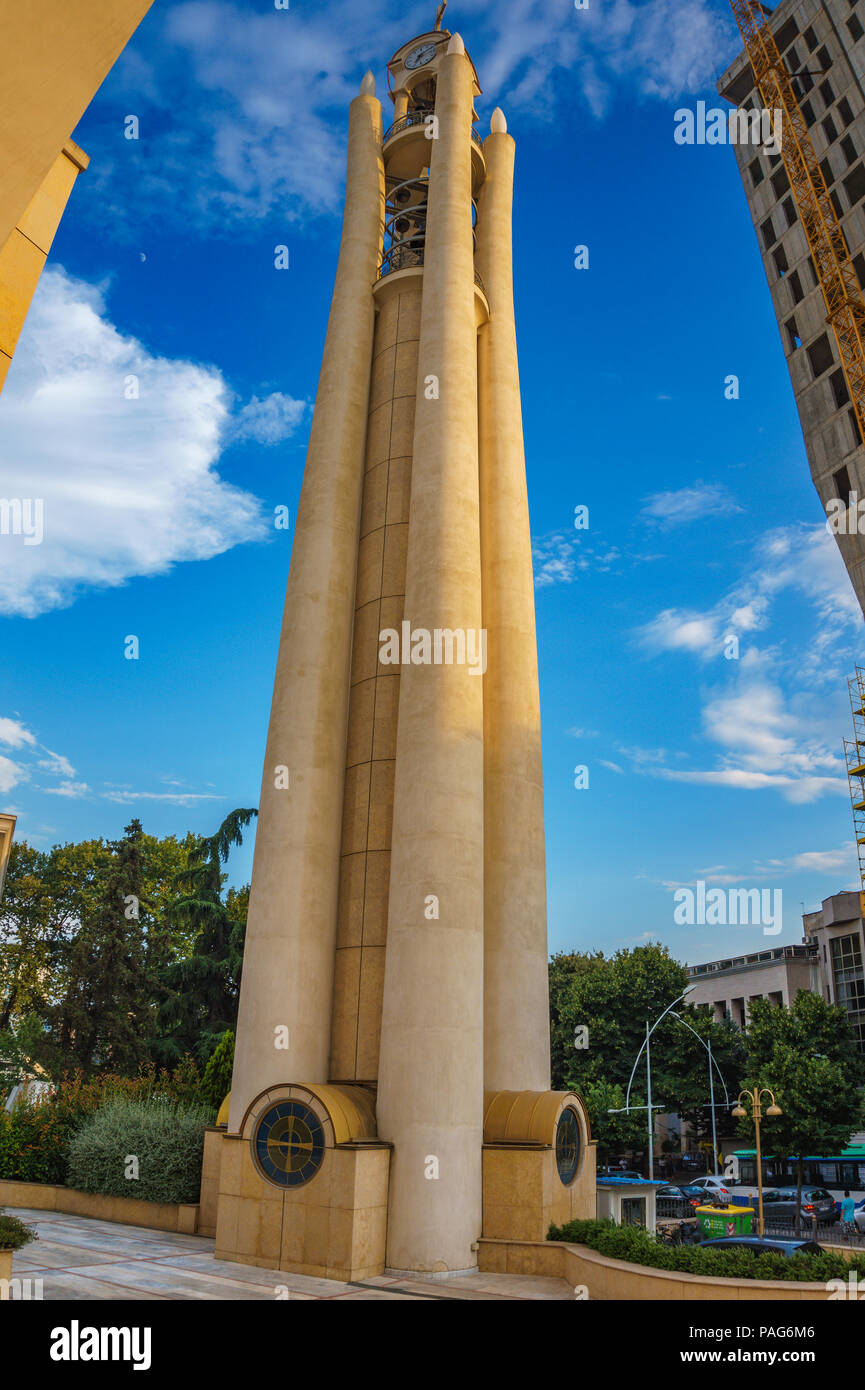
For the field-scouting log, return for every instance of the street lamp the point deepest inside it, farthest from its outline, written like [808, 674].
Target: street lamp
[740, 1113]
[708, 1047]
[647, 1046]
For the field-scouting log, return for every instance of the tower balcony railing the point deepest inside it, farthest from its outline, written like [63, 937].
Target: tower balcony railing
[419, 118]
[404, 256]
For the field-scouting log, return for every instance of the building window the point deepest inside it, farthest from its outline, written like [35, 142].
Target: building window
[808, 112]
[793, 336]
[791, 58]
[811, 39]
[859, 267]
[839, 389]
[786, 34]
[781, 264]
[826, 92]
[854, 184]
[755, 169]
[789, 211]
[811, 268]
[824, 60]
[849, 150]
[854, 428]
[829, 130]
[767, 232]
[820, 355]
[633, 1211]
[849, 980]
[856, 30]
[796, 287]
[826, 171]
[836, 204]
[780, 183]
[841, 479]
[845, 111]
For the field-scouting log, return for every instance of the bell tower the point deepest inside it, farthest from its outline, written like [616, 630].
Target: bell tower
[393, 1035]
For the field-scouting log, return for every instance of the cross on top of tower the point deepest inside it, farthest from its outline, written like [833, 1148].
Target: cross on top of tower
[440, 12]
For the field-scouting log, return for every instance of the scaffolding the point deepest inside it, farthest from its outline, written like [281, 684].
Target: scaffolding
[845, 310]
[854, 754]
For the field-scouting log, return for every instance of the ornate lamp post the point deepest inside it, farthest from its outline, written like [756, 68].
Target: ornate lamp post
[740, 1113]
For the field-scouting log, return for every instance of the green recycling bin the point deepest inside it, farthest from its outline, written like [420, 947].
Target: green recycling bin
[725, 1221]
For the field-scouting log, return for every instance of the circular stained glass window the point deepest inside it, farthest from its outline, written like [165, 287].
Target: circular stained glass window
[568, 1145]
[288, 1143]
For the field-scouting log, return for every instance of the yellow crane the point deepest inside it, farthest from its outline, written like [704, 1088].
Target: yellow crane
[845, 310]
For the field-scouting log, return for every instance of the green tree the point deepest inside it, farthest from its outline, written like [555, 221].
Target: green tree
[807, 1056]
[103, 1019]
[202, 988]
[599, 1008]
[216, 1082]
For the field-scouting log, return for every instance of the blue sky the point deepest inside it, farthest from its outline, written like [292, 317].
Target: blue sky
[159, 510]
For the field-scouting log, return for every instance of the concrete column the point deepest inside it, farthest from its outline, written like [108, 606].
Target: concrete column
[400, 105]
[430, 1098]
[516, 989]
[289, 956]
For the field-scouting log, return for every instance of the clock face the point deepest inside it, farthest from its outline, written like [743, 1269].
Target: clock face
[288, 1143]
[420, 55]
[568, 1146]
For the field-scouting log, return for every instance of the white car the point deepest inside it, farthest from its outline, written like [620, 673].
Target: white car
[715, 1185]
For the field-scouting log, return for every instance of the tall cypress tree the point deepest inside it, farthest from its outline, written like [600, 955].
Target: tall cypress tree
[103, 1019]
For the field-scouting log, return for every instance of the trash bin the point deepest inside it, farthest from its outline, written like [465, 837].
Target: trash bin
[725, 1221]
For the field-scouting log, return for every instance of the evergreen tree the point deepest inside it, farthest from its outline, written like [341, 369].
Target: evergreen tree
[103, 1019]
[203, 988]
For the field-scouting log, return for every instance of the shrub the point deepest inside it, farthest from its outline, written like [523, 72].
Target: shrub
[35, 1137]
[216, 1082]
[165, 1139]
[638, 1246]
[13, 1233]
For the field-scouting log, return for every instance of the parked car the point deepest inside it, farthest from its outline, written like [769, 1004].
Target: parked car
[859, 1218]
[619, 1173]
[763, 1244]
[779, 1205]
[713, 1185]
[679, 1201]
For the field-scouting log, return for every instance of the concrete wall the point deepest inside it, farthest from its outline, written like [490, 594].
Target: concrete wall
[129, 1211]
[616, 1279]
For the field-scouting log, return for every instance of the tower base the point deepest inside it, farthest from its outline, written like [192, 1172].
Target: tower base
[538, 1170]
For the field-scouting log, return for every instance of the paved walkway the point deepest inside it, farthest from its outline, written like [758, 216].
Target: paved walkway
[78, 1258]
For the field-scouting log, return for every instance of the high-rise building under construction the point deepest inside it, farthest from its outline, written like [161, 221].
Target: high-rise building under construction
[822, 47]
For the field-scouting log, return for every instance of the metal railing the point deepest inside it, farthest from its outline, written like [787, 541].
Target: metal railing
[419, 118]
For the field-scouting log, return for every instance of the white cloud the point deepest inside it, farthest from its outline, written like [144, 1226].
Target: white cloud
[73, 790]
[689, 504]
[129, 485]
[123, 796]
[673, 631]
[14, 734]
[268, 421]
[11, 773]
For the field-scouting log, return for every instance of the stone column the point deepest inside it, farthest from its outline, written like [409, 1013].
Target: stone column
[430, 1098]
[516, 989]
[288, 961]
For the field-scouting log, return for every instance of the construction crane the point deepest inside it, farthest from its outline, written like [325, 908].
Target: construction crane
[845, 310]
[854, 754]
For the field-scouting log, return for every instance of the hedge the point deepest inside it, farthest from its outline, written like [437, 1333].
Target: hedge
[151, 1150]
[639, 1247]
[35, 1137]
